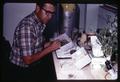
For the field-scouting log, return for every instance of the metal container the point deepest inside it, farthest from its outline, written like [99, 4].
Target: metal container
[68, 19]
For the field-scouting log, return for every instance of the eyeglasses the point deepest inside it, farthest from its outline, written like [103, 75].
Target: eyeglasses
[48, 12]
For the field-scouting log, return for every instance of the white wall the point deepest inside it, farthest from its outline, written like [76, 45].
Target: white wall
[82, 17]
[92, 17]
[12, 14]
[88, 17]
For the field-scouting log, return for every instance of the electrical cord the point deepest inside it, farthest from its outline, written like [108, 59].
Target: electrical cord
[106, 76]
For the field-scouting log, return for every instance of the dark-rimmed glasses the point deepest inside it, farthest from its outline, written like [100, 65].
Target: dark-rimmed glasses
[48, 12]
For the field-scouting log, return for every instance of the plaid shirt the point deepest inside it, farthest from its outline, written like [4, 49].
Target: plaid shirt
[28, 39]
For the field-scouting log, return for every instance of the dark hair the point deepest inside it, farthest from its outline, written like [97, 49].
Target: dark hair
[42, 2]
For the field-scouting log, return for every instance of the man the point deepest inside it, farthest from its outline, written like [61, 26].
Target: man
[28, 43]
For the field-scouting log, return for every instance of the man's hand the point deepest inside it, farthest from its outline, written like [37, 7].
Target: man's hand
[55, 45]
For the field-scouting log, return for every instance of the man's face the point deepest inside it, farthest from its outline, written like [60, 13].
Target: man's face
[46, 12]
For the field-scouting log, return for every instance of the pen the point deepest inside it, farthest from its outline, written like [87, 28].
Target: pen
[65, 58]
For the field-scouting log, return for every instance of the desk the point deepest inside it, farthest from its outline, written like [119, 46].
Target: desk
[67, 70]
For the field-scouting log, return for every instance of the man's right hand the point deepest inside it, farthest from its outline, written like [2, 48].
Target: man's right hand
[55, 45]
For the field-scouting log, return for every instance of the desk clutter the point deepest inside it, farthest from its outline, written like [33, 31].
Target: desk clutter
[75, 56]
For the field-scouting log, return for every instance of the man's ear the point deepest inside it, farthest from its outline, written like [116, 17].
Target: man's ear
[37, 8]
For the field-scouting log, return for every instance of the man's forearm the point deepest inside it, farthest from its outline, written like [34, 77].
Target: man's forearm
[36, 56]
[30, 59]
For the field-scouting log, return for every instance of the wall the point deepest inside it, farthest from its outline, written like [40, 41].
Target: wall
[88, 17]
[82, 17]
[92, 17]
[12, 14]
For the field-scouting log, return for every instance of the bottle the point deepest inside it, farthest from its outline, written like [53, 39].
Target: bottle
[111, 70]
